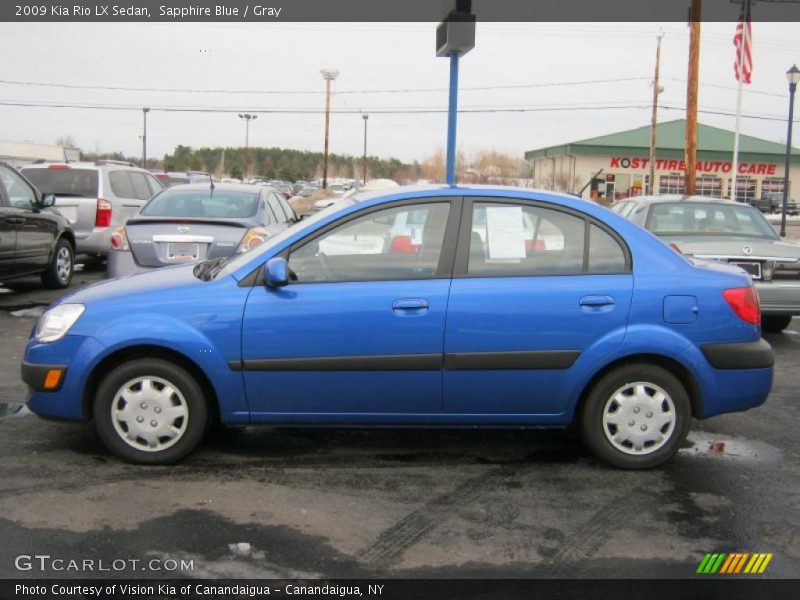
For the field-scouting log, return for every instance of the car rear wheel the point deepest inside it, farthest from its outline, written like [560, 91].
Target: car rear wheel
[775, 323]
[59, 272]
[150, 411]
[636, 417]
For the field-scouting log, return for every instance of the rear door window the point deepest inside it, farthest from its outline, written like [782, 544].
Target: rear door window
[275, 205]
[140, 187]
[121, 184]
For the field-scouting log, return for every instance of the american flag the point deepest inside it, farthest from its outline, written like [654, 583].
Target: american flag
[744, 60]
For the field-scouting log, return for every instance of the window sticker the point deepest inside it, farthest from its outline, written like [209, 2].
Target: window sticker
[505, 232]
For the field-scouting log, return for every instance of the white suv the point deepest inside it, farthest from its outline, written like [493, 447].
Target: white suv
[95, 197]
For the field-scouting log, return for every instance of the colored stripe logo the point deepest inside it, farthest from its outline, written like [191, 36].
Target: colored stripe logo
[734, 562]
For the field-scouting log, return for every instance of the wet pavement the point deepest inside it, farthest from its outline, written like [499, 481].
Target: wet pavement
[266, 502]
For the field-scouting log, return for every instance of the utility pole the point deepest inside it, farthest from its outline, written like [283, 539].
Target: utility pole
[247, 117]
[364, 177]
[328, 75]
[691, 97]
[145, 110]
[654, 121]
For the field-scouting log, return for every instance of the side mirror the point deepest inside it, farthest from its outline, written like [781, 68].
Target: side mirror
[276, 272]
[48, 200]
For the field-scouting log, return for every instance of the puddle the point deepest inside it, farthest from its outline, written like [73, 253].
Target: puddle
[35, 311]
[713, 446]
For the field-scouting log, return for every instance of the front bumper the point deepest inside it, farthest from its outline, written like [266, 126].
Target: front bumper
[76, 356]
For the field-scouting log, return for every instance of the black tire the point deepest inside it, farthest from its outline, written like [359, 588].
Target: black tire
[775, 323]
[61, 268]
[188, 397]
[594, 428]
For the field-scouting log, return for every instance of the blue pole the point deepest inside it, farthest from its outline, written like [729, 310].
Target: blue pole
[452, 112]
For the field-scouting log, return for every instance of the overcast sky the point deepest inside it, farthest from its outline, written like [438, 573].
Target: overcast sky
[280, 57]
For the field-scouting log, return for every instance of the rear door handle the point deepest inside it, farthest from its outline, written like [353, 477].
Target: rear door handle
[410, 305]
[591, 301]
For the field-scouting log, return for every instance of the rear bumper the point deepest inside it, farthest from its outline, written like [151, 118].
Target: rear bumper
[779, 297]
[98, 241]
[122, 263]
[747, 355]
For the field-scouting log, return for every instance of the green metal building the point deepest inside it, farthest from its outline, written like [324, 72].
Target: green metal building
[622, 160]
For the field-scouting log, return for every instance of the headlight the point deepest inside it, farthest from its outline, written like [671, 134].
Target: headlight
[56, 322]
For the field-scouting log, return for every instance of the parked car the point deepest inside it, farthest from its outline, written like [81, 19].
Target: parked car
[731, 232]
[193, 222]
[612, 331]
[96, 198]
[34, 238]
[772, 202]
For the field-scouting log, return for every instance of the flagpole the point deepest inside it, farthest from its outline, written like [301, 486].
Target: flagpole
[742, 45]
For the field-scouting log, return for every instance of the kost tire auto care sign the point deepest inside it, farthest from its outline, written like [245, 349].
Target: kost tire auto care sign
[703, 166]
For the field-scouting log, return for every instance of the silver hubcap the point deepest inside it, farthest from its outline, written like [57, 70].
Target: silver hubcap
[63, 263]
[150, 414]
[639, 418]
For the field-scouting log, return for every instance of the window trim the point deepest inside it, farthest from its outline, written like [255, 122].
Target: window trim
[34, 191]
[461, 266]
[444, 270]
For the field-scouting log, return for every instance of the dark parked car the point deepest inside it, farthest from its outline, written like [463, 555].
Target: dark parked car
[192, 222]
[772, 202]
[34, 239]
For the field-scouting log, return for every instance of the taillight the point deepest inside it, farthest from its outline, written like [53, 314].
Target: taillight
[674, 246]
[58, 166]
[402, 244]
[119, 240]
[252, 239]
[744, 302]
[102, 218]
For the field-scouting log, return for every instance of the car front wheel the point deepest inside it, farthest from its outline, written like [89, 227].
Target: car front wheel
[150, 411]
[636, 417]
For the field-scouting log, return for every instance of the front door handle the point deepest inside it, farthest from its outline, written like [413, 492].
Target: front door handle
[410, 306]
[15, 220]
[596, 301]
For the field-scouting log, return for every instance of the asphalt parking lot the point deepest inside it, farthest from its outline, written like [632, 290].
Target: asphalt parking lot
[264, 502]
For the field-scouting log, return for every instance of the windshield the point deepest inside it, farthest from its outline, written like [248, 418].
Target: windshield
[202, 204]
[253, 255]
[694, 218]
[64, 181]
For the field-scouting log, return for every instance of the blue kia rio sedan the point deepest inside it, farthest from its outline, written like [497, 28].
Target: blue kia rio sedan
[415, 307]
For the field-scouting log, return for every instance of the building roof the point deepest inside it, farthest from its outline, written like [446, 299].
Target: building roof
[713, 143]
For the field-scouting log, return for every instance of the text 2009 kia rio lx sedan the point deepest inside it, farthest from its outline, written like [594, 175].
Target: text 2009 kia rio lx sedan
[420, 307]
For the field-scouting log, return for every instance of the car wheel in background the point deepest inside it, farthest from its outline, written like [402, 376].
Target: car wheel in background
[59, 273]
[775, 323]
[636, 417]
[150, 411]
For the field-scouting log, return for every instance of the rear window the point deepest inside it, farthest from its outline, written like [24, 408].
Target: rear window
[200, 204]
[64, 182]
[691, 218]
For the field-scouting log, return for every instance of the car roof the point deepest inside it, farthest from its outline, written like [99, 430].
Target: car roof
[218, 187]
[660, 199]
[466, 189]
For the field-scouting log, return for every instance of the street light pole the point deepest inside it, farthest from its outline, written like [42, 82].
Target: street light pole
[364, 177]
[793, 76]
[328, 75]
[145, 110]
[247, 117]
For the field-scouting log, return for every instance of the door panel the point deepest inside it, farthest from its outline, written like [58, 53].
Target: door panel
[8, 240]
[353, 352]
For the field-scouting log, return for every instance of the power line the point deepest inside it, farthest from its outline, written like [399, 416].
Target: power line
[338, 92]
